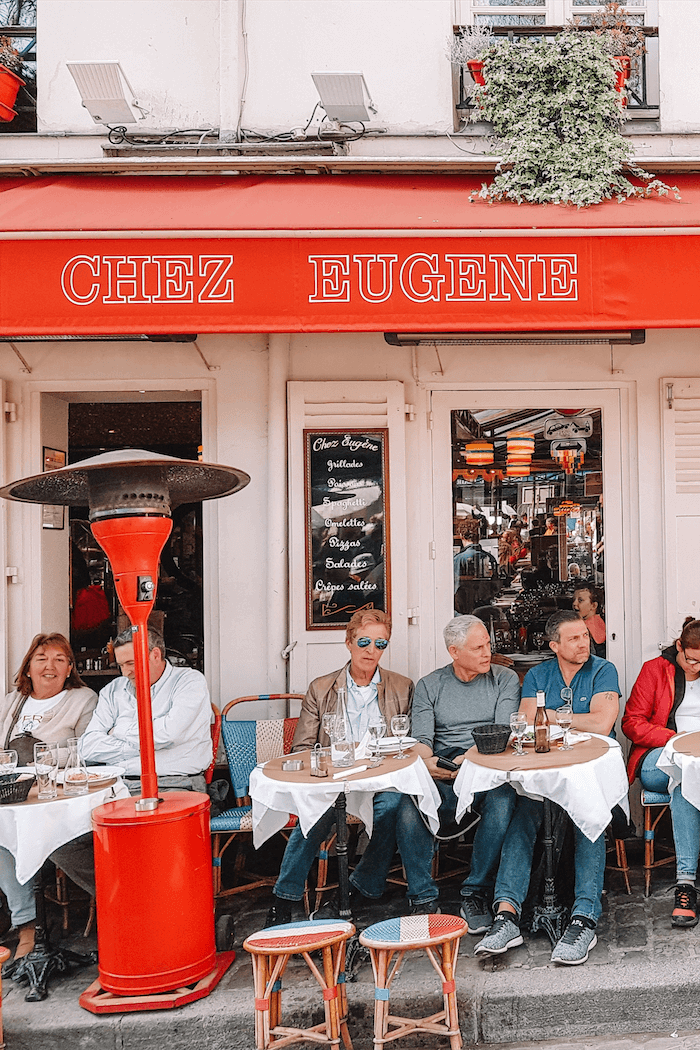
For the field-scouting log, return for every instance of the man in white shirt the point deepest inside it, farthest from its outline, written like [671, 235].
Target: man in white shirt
[181, 734]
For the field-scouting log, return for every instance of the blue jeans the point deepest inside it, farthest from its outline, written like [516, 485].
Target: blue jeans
[19, 898]
[685, 818]
[514, 871]
[395, 823]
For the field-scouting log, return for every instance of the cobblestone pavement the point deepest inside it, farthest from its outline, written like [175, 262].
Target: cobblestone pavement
[646, 1041]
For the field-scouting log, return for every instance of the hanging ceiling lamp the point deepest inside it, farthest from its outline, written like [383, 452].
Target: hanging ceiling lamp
[520, 443]
[518, 470]
[478, 453]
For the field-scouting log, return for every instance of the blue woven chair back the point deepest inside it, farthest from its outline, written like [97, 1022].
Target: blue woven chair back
[248, 742]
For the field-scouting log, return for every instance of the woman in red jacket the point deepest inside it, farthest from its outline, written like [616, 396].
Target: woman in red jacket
[665, 700]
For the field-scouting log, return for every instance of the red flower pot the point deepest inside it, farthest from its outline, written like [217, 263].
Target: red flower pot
[10, 84]
[622, 75]
[477, 71]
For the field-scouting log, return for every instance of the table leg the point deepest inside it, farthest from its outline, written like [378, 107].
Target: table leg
[549, 916]
[341, 851]
[37, 968]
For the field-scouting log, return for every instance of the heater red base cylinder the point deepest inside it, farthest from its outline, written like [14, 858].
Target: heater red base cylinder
[154, 894]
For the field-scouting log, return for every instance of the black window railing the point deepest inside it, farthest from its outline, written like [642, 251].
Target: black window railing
[642, 86]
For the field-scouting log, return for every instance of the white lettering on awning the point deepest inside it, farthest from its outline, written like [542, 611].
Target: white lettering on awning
[128, 279]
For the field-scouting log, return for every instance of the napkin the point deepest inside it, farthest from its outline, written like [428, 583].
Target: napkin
[578, 738]
[362, 749]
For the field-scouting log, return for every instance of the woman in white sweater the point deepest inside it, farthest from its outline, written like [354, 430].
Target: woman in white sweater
[50, 703]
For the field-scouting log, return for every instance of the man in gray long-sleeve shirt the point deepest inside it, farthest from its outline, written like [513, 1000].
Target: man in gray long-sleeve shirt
[447, 705]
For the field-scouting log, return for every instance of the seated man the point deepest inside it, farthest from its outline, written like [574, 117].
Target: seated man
[181, 735]
[370, 691]
[449, 703]
[592, 686]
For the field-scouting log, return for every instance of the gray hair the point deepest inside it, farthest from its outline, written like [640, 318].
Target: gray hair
[553, 625]
[458, 628]
[155, 639]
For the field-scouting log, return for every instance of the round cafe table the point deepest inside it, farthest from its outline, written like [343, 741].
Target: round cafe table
[586, 782]
[275, 793]
[680, 759]
[31, 831]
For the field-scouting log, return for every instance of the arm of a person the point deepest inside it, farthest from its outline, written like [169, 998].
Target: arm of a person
[189, 702]
[508, 698]
[423, 728]
[601, 717]
[308, 730]
[97, 743]
[637, 724]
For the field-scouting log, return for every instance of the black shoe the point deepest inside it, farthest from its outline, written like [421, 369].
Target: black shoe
[685, 909]
[431, 907]
[280, 913]
[477, 914]
[331, 908]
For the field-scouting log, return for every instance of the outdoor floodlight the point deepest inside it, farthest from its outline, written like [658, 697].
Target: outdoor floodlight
[101, 86]
[344, 96]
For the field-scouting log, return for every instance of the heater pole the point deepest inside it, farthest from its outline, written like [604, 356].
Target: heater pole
[149, 779]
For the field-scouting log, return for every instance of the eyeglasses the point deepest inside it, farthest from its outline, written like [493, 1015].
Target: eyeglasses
[693, 663]
[379, 643]
[567, 695]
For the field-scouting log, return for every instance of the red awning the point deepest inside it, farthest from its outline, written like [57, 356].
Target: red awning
[103, 255]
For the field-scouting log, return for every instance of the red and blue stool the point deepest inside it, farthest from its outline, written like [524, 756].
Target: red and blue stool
[270, 951]
[438, 936]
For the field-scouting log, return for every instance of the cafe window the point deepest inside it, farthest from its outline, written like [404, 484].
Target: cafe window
[528, 528]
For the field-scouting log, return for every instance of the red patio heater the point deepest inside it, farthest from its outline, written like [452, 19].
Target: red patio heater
[152, 855]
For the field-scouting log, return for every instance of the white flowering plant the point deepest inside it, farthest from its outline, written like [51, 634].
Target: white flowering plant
[557, 118]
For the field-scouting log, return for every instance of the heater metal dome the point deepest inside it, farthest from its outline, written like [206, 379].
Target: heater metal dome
[129, 482]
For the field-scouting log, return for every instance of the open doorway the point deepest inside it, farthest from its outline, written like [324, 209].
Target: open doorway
[171, 424]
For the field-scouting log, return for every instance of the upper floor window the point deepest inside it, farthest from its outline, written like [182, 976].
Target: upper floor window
[18, 23]
[542, 18]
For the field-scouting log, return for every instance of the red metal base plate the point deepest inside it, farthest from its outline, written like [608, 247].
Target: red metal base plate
[98, 1001]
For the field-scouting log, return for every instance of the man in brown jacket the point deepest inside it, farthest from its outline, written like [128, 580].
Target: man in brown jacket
[370, 690]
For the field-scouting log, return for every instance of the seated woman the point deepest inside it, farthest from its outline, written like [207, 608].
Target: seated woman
[371, 691]
[665, 700]
[587, 601]
[50, 703]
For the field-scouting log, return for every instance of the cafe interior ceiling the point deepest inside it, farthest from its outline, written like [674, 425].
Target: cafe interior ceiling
[494, 425]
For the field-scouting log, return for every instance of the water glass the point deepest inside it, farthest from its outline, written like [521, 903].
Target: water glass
[46, 766]
[400, 724]
[377, 730]
[8, 762]
[518, 723]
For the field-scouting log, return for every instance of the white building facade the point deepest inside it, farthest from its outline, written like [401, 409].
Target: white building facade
[289, 253]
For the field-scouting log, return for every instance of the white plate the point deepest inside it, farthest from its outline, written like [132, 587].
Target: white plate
[97, 774]
[390, 744]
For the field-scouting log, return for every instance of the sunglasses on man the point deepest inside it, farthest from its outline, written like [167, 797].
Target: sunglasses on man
[380, 643]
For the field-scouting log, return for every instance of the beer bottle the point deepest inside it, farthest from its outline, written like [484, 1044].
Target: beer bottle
[541, 725]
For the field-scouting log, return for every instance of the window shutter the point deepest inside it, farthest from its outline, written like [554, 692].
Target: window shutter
[680, 407]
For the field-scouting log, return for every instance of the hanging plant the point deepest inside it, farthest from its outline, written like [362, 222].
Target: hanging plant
[558, 118]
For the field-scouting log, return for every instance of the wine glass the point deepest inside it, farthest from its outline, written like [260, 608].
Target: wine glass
[539, 640]
[8, 762]
[377, 730]
[565, 716]
[400, 725]
[328, 722]
[518, 723]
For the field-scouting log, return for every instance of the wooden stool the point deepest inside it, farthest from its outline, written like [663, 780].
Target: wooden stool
[270, 952]
[438, 936]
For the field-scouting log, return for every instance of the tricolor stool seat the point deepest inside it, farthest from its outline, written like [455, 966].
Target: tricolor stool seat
[270, 951]
[438, 936]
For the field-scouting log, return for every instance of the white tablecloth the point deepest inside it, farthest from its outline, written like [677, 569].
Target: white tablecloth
[32, 832]
[274, 800]
[681, 769]
[587, 791]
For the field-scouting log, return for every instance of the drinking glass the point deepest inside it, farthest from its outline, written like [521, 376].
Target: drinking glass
[328, 723]
[400, 725]
[8, 762]
[377, 730]
[565, 716]
[46, 766]
[539, 639]
[518, 723]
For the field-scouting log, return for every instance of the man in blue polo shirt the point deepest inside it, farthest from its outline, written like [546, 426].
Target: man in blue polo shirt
[590, 684]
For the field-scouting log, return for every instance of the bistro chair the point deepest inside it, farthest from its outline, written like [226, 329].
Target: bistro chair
[438, 936]
[215, 738]
[270, 951]
[654, 800]
[246, 744]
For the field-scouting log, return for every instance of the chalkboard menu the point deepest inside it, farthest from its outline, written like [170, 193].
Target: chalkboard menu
[347, 524]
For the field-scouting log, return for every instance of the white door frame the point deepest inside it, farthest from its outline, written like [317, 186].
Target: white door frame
[620, 488]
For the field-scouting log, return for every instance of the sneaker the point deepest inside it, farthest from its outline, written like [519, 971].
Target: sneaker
[573, 947]
[504, 934]
[431, 907]
[476, 912]
[685, 910]
[331, 908]
[280, 913]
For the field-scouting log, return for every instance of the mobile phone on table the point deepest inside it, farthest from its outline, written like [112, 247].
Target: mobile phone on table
[447, 763]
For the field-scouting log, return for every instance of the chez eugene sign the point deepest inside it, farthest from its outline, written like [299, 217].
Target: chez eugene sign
[337, 284]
